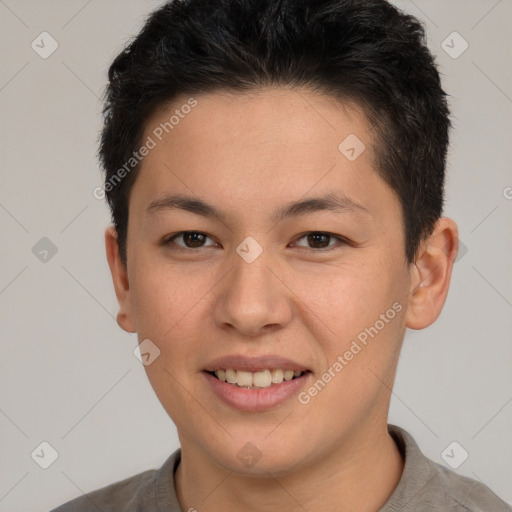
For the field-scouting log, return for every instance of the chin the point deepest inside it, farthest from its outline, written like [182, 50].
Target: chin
[258, 459]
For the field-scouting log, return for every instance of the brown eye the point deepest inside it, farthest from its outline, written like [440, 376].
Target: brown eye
[321, 240]
[194, 239]
[191, 239]
[318, 240]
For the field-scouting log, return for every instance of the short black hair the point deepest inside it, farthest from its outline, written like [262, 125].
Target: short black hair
[366, 52]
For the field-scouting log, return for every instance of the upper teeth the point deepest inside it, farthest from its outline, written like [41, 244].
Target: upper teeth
[262, 379]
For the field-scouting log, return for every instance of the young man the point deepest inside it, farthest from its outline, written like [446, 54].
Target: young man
[275, 173]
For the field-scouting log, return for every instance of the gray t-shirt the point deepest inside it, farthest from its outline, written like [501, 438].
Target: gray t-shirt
[424, 486]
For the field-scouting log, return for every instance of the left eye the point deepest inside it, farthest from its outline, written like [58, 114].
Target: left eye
[320, 240]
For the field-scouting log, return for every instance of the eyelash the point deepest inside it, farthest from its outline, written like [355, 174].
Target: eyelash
[342, 241]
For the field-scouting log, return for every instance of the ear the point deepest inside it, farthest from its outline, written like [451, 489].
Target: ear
[120, 278]
[431, 273]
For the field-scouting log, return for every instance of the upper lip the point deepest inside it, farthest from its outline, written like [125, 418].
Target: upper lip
[254, 363]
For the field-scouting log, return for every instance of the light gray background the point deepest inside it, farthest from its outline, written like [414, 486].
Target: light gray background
[68, 373]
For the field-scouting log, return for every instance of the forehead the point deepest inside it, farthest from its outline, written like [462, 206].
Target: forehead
[292, 121]
[259, 146]
[273, 115]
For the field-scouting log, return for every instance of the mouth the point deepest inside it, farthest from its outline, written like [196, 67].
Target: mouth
[262, 379]
[255, 383]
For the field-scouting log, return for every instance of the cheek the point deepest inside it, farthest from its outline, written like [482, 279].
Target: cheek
[370, 329]
[345, 299]
[166, 298]
[363, 308]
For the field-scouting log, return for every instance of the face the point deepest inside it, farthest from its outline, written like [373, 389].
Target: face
[257, 288]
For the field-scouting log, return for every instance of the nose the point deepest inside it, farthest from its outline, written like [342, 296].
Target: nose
[252, 299]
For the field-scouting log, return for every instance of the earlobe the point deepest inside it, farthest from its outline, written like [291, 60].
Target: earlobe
[430, 275]
[120, 279]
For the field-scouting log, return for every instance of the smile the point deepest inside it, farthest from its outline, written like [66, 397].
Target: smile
[255, 380]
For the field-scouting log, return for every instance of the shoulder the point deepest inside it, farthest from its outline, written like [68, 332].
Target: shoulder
[120, 496]
[426, 485]
[467, 494]
[132, 494]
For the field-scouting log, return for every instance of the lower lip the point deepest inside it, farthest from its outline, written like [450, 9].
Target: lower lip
[254, 400]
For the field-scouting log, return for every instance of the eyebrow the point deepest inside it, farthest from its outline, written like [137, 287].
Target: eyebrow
[330, 202]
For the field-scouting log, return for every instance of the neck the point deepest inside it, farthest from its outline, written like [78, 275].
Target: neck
[361, 478]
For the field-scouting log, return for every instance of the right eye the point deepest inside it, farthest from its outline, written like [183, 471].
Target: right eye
[190, 239]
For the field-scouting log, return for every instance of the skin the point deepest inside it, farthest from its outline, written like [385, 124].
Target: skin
[249, 154]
